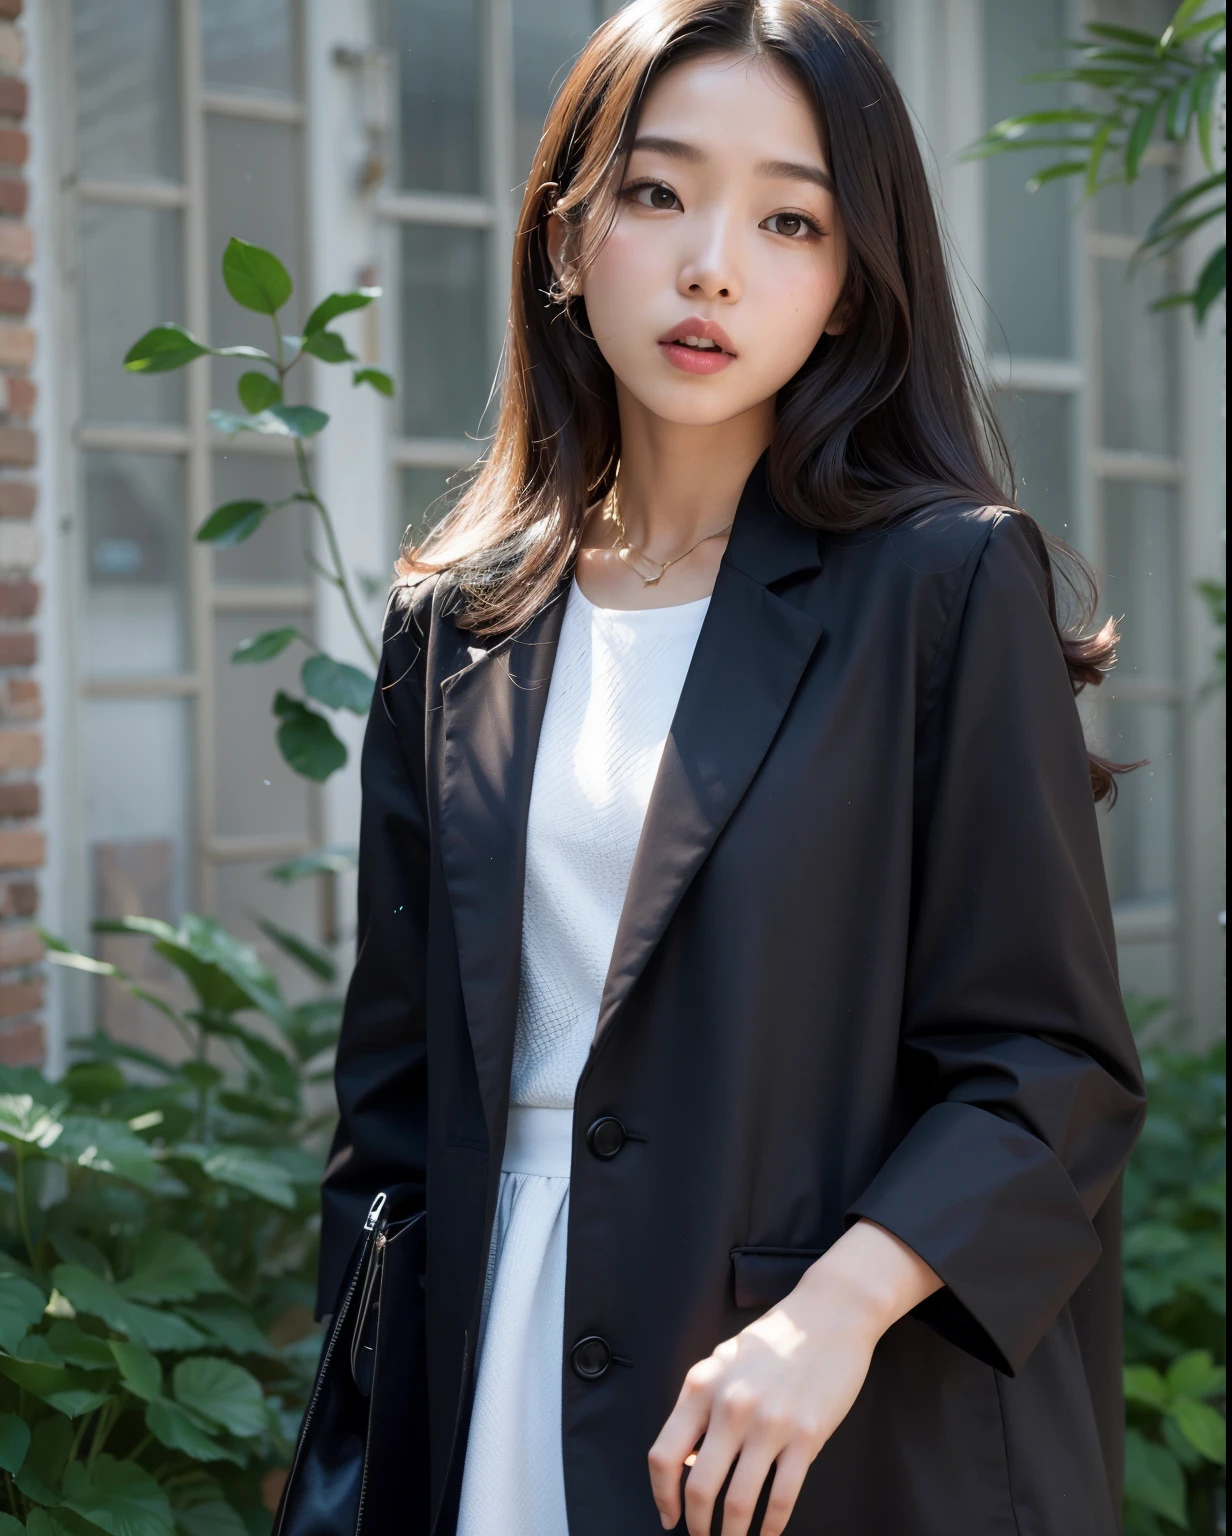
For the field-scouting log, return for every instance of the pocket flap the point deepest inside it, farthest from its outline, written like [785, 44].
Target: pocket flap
[765, 1275]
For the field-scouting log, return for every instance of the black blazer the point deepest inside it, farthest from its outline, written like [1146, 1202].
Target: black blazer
[865, 967]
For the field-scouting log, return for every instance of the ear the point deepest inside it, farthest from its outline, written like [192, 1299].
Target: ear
[557, 234]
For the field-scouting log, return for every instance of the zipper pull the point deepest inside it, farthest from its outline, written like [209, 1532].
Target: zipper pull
[374, 1211]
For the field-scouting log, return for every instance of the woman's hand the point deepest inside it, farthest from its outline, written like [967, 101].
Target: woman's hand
[774, 1394]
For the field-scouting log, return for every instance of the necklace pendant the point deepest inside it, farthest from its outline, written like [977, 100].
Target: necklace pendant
[649, 570]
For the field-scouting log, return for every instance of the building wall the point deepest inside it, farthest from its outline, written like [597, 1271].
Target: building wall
[22, 840]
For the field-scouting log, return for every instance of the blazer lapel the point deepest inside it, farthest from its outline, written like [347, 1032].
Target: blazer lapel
[493, 713]
[750, 656]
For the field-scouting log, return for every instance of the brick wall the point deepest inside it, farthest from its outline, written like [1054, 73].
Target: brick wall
[21, 737]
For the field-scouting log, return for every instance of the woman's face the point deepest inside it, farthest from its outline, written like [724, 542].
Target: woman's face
[727, 257]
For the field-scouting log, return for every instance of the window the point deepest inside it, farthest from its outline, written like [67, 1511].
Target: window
[186, 126]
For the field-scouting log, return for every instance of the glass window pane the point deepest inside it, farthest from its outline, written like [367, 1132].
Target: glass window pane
[244, 891]
[138, 789]
[249, 45]
[1127, 208]
[1039, 431]
[276, 552]
[131, 279]
[257, 792]
[1143, 837]
[547, 36]
[1140, 540]
[255, 191]
[135, 620]
[1138, 358]
[1028, 235]
[426, 495]
[446, 371]
[126, 79]
[438, 48]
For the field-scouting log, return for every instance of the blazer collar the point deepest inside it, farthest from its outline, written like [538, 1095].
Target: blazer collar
[750, 655]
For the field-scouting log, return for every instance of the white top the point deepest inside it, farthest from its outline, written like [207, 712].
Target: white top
[615, 685]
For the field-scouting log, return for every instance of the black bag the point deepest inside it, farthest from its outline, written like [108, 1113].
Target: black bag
[361, 1459]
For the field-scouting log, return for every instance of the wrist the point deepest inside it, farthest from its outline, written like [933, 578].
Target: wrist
[870, 1277]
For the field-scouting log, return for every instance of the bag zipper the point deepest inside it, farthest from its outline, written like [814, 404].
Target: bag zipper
[373, 1213]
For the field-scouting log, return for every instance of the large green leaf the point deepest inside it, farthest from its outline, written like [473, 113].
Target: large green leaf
[119, 1496]
[167, 1266]
[139, 1370]
[255, 277]
[1195, 1374]
[51, 1444]
[225, 1393]
[1204, 1427]
[85, 1350]
[210, 1518]
[30, 1107]
[337, 684]
[232, 523]
[241, 1168]
[307, 740]
[257, 391]
[76, 1402]
[14, 1442]
[21, 1308]
[178, 1430]
[141, 1324]
[305, 954]
[106, 1146]
[162, 349]
[225, 973]
[231, 1328]
[1154, 1479]
[338, 304]
[276, 421]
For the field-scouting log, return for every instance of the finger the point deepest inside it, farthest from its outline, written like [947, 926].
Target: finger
[709, 1472]
[740, 1500]
[789, 1472]
[685, 1426]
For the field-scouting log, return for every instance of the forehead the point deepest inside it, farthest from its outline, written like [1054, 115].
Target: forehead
[737, 107]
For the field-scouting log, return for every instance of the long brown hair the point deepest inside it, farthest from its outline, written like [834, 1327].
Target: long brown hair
[884, 418]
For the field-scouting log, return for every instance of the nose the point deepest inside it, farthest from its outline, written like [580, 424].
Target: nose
[711, 268]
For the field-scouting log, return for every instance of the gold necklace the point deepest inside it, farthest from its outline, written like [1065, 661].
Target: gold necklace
[637, 560]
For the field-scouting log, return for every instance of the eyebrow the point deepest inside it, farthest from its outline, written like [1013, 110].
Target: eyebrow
[775, 170]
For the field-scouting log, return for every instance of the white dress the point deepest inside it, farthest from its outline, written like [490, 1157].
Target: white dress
[615, 685]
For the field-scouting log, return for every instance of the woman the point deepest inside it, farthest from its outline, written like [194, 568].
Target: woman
[736, 978]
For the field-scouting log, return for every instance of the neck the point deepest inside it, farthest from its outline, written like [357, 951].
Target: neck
[679, 482]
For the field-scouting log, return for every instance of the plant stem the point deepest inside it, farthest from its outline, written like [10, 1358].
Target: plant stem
[339, 577]
[23, 1215]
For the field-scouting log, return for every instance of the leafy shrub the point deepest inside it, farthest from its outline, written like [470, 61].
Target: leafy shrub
[158, 1237]
[1175, 1274]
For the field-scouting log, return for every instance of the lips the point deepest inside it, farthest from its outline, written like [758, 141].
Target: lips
[697, 346]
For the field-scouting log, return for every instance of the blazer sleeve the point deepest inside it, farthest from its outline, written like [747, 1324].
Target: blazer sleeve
[380, 1072]
[1015, 1045]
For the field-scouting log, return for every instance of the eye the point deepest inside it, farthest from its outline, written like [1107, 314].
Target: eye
[794, 226]
[652, 194]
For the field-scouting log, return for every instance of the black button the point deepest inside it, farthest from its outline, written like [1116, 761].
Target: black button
[606, 1137]
[591, 1357]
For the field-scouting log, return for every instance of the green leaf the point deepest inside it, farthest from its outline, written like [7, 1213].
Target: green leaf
[139, 1370]
[21, 1308]
[265, 646]
[225, 1393]
[1139, 138]
[76, 1402]
[298, 420]
[1204, 99]
[162, 349]
[1203, 1427]
[311, 958]
[85, 1350]
[30, 1108]
[257, 391]
[241, 1168]
[1144, 1384]
[1212, 281]
[51, 1443]
[226, 974]
[119, 1496]
[175, 1428]
[337, 684]
[233, 1329]
[313, 1027]
[142, 1325]
[11, 1527]
[321, 861]
[1154, 1479]
[1057, 172]
[232, 523]
[338, 304]
[167, 1266]
[210, 1518]
[307, 740]
[381, 381]
[105, 1147]
[328, 347]
[255, 278]
[1195, 1374]
[14, 1442]
[1099, 146]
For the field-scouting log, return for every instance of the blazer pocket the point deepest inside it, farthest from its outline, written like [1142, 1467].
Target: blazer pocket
[764, 1276]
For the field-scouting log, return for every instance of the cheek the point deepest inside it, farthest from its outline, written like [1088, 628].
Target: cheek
[619, 280]
[796, 301]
